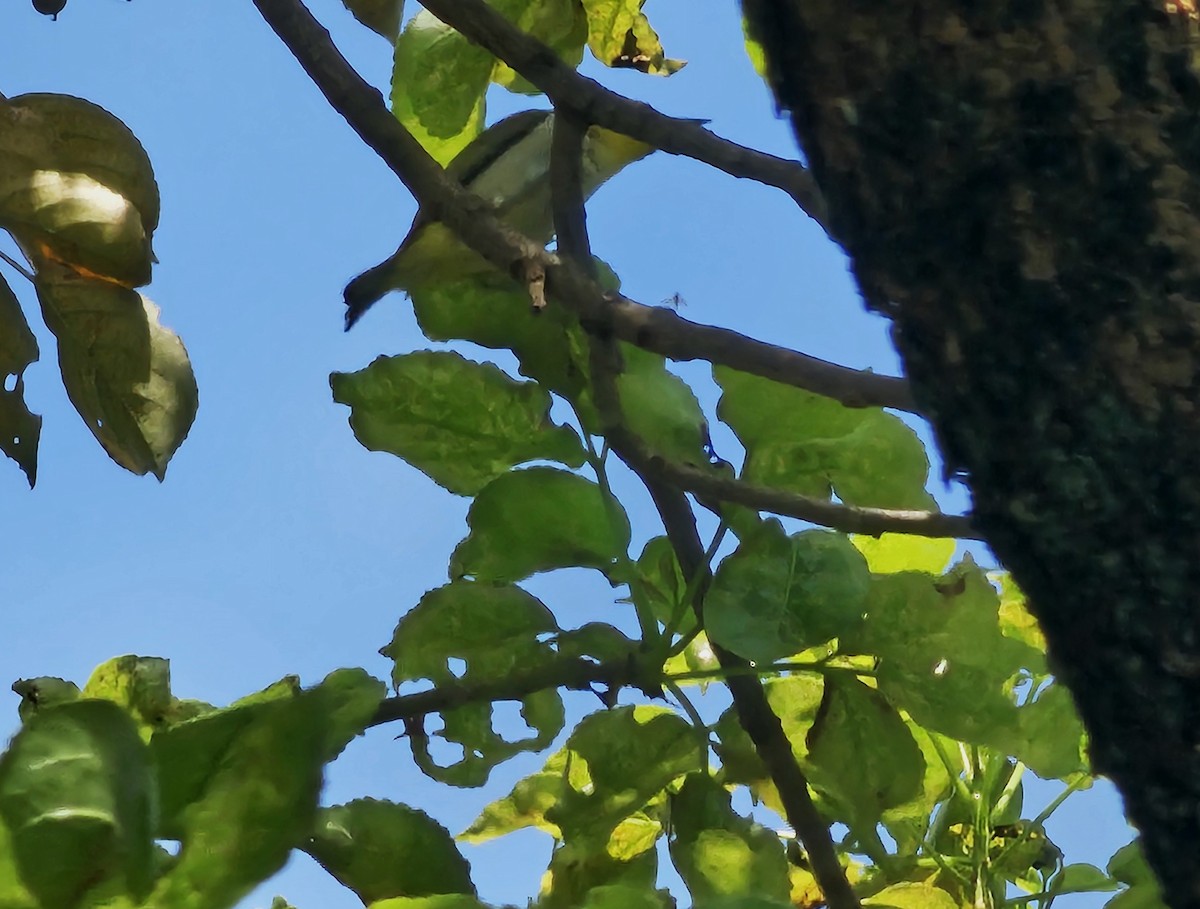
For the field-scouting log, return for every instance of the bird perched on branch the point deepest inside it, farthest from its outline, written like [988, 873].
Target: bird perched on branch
[508, 165]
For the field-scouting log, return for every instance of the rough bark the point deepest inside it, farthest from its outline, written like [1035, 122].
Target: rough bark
[1016, 182]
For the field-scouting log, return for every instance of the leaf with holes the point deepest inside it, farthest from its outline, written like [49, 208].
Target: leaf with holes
[19, 429]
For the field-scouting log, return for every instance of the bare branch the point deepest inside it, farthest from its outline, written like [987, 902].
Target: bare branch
[593, 103]
[653, 328]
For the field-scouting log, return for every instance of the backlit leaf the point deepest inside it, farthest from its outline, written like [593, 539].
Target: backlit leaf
[381, 16]
[619, 34]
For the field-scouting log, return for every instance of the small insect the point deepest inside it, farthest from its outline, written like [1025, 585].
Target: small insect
[675, 301]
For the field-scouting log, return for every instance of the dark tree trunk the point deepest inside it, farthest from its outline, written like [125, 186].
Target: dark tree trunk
[1016, 182]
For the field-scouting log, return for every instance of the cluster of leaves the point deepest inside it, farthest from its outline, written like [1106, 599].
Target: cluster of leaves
[914, 692]
[77, 195]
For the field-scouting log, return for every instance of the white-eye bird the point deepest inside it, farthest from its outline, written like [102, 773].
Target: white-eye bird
[508, 165]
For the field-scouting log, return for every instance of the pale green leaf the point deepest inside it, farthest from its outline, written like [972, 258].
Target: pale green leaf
[382, 849]
[575, 872]
[912, 895]
[438, 84]
[381, 16]
[892, 552]
[139, 685]
[539, 519]
[438, 901]
[620, 35]
[127, 375]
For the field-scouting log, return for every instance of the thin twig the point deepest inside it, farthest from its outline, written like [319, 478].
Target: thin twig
[473, 221]
[593, 103]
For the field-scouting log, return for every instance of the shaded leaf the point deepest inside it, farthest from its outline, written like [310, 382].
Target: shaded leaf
[575, 872]
[559, 24]
[127, 375]
[382, 849]
[19, 429]
[539, 519]
[494, 629]
[381, 16]
[348, 700]
[812, 445]
[777, 595]
[461, 423]
[1082, 878]
[42, 692]
[438, 84]
[861, 754]
[77, 797]
[660, 407]
[908, 821]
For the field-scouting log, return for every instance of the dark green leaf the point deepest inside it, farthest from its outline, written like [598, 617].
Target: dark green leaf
[382, 849]
[536, 520]
[461, 423]
[438, 84]
[558, 24]
[861, 754]
[909, 821]
[42, 692]
[720, 853]
[494, 629]
[19, 429]
[1082, 878]
[348, 700]
[660, 407]
[805, 443]
[777, 595]
[127, 375]
[77, 797]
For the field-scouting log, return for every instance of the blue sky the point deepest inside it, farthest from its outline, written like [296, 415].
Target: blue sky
[277, 544]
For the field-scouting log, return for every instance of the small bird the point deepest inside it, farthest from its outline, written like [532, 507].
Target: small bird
[508, 165]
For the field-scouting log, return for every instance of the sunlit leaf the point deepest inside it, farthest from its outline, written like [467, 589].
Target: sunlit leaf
[538, 519]
[461, 423]
[19, 429]
[382, 849]
[777, 595]
[575, 872]
[805, 443]
[438, 84]
[127, 375]
[754, 50]
[77, 797]
[717, 851]
[438, 901]
[892, 552]
[620, 35]
[139, 685]
[912, 895]
[558, 24]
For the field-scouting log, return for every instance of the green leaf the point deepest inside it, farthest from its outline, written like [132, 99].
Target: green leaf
[558, 24]
[575, 872]
[127, 375]
[659, 585]
[805, 443]
[913, 895]
[438, 84]
[720, 853]
[660, 407]
[892, 552]
[139, 685]
[1050, 738]
[942, 655]
[381, 16]
[77, 797]
[461, 423]
[526, 805]
[438, 901]
[1082, 878]
[494, 629]
[754, 50]
[382, 849]
[13, 893]
[539, 519]
[620, 35]
[795, 699]
[777, 595]
[280, 903]
[908, 821]
[626, 896]
[861, 754]
[348, 699]
[549, 345]
[251, 797]
[77, 187]
[19, 429]
[42, 692]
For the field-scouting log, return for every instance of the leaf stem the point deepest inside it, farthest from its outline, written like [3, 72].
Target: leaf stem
[697, 721]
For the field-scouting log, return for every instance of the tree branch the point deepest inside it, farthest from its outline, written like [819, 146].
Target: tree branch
[593, 103]
[654, 328]
[575, 674]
